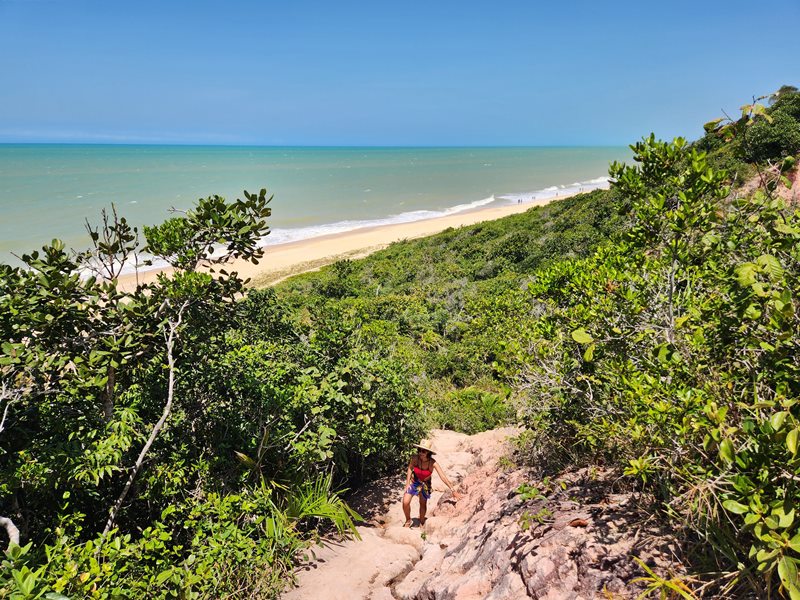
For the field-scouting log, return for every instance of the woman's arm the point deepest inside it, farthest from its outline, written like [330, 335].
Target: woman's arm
[444, 478]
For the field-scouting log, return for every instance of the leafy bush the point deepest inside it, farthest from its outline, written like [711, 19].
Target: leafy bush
[773, 139]
[441, 303]
[788, 103]
[171, 439]
[470, 410]
[671, 353]
[232, 545]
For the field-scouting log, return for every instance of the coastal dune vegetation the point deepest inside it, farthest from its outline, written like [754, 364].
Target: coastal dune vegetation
[192, 437]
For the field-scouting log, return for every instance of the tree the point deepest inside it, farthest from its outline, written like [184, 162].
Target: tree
[73, 335]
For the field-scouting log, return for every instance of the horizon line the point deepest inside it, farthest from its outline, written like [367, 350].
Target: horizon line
[255, 145]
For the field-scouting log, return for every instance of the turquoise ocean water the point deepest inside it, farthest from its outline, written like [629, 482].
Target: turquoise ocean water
[47, 191]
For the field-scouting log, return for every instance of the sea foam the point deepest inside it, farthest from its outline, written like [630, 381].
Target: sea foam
[556, 191]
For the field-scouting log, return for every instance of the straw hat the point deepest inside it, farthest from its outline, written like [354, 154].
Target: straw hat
[426, 445]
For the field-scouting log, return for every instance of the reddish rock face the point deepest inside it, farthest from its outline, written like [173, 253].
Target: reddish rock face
[790, 193]
[572, 538]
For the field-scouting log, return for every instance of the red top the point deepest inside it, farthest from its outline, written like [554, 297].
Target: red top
[423, 474]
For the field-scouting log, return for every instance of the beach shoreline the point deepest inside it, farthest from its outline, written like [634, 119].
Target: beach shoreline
[281, 261]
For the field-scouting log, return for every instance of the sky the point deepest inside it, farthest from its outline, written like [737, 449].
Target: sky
[435, 73]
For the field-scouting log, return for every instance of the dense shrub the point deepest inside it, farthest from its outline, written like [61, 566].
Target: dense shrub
[672, 354]
[788, 103]
[470, 410]
[773, 140]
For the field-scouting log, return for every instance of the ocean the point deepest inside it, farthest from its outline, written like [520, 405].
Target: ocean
[48, 190]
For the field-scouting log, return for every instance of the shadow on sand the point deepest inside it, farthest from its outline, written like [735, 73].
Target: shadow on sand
[374, 500]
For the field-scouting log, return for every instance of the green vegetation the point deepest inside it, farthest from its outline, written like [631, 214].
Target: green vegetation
[235, 417]
[171, 440]
[761, 137]
[672, 353]
[188, 438]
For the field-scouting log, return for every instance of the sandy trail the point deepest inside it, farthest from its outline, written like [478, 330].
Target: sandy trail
[387, 552]
[575, 538]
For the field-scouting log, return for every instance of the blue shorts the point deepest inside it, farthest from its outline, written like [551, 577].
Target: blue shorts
[420, 488]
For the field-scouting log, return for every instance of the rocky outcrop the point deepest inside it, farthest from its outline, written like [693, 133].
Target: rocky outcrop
[507, 537]
[790, 193]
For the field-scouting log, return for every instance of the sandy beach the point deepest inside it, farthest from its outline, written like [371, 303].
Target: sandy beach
[284, 260]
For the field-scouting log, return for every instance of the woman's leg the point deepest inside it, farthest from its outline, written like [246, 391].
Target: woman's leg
[407, 507]
[423, 508]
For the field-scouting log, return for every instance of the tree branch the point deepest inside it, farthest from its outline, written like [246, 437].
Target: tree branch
[170, 342]
[11, 530]
[9, 395]
[3, 420]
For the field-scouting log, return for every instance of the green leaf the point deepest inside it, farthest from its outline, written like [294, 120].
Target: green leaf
[791, 440]
[589, 354]
[726, 451]
[663, 354]
[163, 576]
[582, 337]
[771, 265]
[746, 274]
[778, 419]
[785, 520]
[751, 518]
[752, 312]
[735, 507]
[787, 571]
[764, 555]
[787, 229]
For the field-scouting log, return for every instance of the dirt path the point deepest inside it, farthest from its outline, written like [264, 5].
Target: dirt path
[572, 538]
[387, 551]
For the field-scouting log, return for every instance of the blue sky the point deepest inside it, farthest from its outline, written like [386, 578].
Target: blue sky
[381, 73]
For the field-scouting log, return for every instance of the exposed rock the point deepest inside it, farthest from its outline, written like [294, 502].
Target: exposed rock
[573, 538]
[790, 193]
[355, 569]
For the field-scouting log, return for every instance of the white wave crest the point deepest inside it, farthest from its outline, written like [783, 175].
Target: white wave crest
[285, 236]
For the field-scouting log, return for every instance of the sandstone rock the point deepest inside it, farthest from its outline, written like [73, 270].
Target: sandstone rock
[405, 535]
[354, 569]
[573, 542]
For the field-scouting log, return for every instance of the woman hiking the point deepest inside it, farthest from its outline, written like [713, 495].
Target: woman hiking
[418, 481]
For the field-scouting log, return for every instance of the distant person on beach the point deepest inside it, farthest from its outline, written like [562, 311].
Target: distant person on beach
[418, 481]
